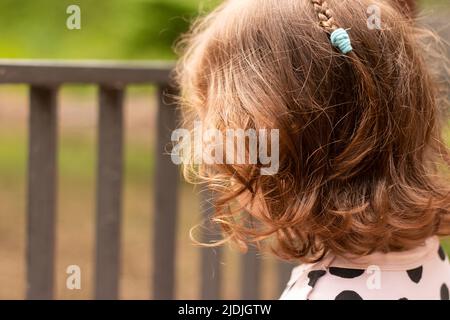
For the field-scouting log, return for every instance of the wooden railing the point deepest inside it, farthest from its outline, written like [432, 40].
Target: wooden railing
[45, 79]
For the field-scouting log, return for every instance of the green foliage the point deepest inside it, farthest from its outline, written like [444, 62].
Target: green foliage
[110, 29]
[157, 25]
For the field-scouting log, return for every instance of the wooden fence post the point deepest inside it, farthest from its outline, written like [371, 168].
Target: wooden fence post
[41, 203]
[166, 199]
[109, 193]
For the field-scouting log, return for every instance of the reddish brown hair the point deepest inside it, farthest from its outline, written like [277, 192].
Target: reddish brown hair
[362, 158]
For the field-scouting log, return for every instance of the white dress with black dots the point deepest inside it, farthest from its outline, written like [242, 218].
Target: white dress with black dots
[419, 274]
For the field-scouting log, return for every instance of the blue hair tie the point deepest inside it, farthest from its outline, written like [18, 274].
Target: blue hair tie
[341, 40]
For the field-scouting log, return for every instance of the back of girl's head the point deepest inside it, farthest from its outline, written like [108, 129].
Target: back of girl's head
[362, 160]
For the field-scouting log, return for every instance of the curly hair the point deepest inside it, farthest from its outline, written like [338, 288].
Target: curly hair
[363, 163]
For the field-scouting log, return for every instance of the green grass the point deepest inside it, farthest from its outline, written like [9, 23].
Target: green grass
[76, 158]
[446, 246]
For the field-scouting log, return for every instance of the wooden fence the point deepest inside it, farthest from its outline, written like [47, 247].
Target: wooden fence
[44, 79]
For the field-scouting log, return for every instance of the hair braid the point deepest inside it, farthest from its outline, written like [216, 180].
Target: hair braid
[325, 15]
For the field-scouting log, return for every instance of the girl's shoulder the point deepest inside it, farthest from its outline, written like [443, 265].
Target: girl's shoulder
[422, 273]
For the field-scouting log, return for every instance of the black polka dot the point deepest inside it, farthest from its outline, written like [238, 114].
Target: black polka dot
[348, 295]
[441, 253]
[403, 298]
[346, 273]
[415, 274]
[314, 276]
[444, 292]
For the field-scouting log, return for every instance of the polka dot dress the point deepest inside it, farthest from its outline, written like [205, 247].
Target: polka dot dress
[419, 274]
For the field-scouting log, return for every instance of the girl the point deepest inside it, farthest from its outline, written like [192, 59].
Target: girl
[362, 191]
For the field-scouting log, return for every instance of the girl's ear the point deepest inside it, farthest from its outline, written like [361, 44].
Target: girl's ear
[408, 7]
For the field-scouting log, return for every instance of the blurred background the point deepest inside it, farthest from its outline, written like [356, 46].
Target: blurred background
[119, 30]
